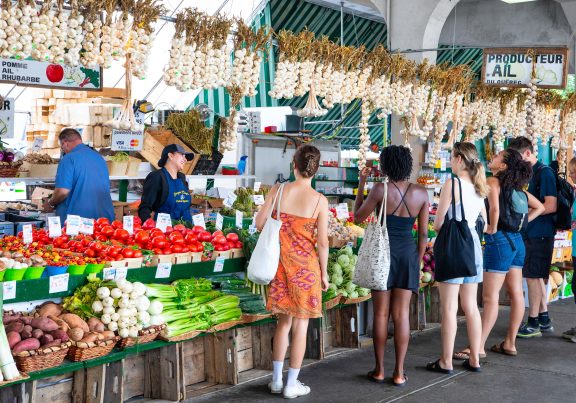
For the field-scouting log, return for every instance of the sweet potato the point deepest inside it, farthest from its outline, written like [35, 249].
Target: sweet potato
[74, 321]
[26, 332]
[15, 327]
[76, 334]
[13, 338]
[7, 319]
[25, 345]
[108, 334]
[53, 343]
[44, 324]
[60, 334]
[27, 320]
[47, 338]
[96, 325]
[90, 338]
[49, 308]
[37, 333]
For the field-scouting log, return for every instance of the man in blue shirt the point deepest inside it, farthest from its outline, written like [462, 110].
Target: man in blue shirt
[82, 181]
[539, 240]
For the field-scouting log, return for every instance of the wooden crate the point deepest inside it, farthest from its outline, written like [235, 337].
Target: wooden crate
[154, 143]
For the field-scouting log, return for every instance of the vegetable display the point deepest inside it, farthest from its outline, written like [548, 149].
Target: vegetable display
[8, 370]
[341, 265]
[244, 202]
[427, 272]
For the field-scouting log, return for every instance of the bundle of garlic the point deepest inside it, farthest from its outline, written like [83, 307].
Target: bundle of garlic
[364, 134]
[287, 70]
[12, 45]
[27, 11]
[246, 66]
[217, 54]
[229, 126]
[41, 32]
[74, 35]
[105, 56]
[179, 55]
[531, 108]
[145, 13]
[90, 57]
[312, 109]
[125, 120]
[121, 29]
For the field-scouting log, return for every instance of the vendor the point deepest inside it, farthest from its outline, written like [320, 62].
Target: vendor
[166, 190]
[82, 185]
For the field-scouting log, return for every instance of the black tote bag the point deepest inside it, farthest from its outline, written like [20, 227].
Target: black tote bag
[454, 246]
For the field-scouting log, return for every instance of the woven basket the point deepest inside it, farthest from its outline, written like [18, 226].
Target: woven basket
[101, 349]
[331, 303]
[224, 326]
[40, 360]
[351, 301]
[144, 336]
[251, 318]
[185, 336]
[8, 172]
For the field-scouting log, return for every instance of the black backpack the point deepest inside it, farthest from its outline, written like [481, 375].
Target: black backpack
[563, 215]
[513, 210]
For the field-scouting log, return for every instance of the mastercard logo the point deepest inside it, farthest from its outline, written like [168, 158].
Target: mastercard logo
[134, 142]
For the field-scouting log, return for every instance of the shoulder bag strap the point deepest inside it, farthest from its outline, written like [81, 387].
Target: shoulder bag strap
[383, 205]
[279, 202]
[461, 200]
[275, 198]
[453, 203]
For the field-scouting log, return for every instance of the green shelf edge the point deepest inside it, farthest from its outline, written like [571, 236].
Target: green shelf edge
[33, 290]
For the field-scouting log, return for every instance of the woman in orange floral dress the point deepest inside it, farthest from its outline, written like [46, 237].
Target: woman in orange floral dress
[295, 294]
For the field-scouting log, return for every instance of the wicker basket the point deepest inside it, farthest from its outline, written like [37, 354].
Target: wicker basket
[331, 303]
[100, 349]
[225, 326]
[350, 301]
[184, 336]
[144, 336]
[251, 318]
[8, 172]
[39, 360]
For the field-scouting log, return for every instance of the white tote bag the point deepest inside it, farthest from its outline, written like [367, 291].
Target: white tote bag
[266, 255]
[373, 265]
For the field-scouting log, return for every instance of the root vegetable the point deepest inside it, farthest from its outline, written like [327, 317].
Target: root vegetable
[26, 345]
[60, 334]
[44, 324]
[95, 325]
[13, 339]
[37, 333]
[108, 334]
[76, 334]
[46, 339]
[15, 327]
[49, 308]
[74, 320]
[90, 338]
[53, 343]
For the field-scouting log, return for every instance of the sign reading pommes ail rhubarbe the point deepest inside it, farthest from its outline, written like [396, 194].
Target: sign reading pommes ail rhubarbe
[512, 67]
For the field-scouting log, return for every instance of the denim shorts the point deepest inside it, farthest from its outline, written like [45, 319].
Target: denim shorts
[500, 256]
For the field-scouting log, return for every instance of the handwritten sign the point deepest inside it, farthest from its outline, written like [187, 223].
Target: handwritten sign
[198, 220]
[252, 229]
[163, 270]
[219, 264]
[230, 199]
[59, 283]
[258, 200]
[219, 221]
[9, 289]
[73, 223]
[163, 221]
[27, 233]
[54, 227]
[342, 211]
[128, 224]
[239, 219]
[87, 226]
[257, 186]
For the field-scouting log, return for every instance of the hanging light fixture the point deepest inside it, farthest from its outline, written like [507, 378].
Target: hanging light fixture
[516, 1]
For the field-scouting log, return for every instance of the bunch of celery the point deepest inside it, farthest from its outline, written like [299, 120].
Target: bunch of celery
[191, 304]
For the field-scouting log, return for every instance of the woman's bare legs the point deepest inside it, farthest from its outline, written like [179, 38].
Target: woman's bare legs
[298, 345]
[490, 295]
[449, 306]
[381, 303]
[401, 316]
[469, 301]
[514, 287]
[280, 344]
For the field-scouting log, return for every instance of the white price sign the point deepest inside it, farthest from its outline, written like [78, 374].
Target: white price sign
[73, 223]
[27, 233]
[59, 283]
[54, 227]
[163, 221]
[7, 116]
[252, 229]
[9, 290]
[219, 221]
[87, 226]
[230, 199]
[239, 219]
[37, 144]
[127, 140]
[163, 270]
[342, 211]
[219, 265]
[258, 200]
[257, 186]
[128, 224]
[121, 273]
[198, 219]
[109, 273]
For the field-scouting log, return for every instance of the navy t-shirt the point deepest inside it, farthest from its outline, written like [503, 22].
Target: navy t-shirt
[84, 173]
[542, 226]
[178, 202]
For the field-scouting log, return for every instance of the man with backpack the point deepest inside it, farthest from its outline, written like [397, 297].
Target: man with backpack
[539, 241]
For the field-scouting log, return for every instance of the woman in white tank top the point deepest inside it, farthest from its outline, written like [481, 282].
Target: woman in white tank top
[467, 166]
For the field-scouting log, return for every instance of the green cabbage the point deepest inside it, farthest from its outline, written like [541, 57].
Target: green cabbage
[344, 261]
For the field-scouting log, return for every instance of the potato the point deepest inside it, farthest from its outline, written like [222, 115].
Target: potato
[47, 338]
[60, 334]
[15, 327]
[96, 325]
[90, 338]
[13, 338]
[53, 343]
[44, 324]
[49, 308]
[76, 334]
[26, 332]
[25, 345]
[11, 318]
[108, 334]
[37, 333]
[27, 320]
[74, 321]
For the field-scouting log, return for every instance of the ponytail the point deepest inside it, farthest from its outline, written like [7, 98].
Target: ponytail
[473, 165]
[478, 175]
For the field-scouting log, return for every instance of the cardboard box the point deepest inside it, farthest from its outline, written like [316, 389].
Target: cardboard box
[39, 194]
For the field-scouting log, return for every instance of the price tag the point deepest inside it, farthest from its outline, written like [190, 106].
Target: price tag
[239, 219]
[252, 229]
[109, 273]
[59, 283]
[27, 233]
[37, 145]
[163, 270]
[163, 221]
[198, 219]
[219, 265]
[9, 289]
[54, 227]
[342, 211]
[73, 225]
[230, 199]
[257, 186]
[219, 221]
[258, 200]
[87, 226]
[121, 273]
[128, 224]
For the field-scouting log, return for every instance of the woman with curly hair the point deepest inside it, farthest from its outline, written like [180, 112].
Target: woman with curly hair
[504, 252]
[405, 202]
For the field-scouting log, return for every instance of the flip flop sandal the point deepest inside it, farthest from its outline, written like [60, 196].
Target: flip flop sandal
[371, 378]
[461, 356]
[401, 384]
[435, 367]
[501, 350]
[470, 368]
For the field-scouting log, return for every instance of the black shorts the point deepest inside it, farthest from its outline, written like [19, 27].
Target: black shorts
[538, 257]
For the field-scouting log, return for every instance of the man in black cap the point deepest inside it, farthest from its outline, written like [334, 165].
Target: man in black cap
[166, 189]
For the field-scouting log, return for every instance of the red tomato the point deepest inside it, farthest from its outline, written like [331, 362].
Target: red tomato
[225, 247]
[156, 232]
[141, 237]
[205, 236]
[232, 237]
[169, 230]
[180, 228]
[193, 248]
[157, 251]
[90, 253]
[101, 238]
[107, 231]
[167, 251]
[121, 235]
[102, 221]
[137, 253]
[239, 244]
[115, 249]
[149, 224]
[191, 238]
[220, 240]
[137, 221]
[159, 242]
[198, 229]
[128, 253]
[217, 233]
[117, 224]
[177, 249]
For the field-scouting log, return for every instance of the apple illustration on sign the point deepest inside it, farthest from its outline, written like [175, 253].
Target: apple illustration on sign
[54, 73]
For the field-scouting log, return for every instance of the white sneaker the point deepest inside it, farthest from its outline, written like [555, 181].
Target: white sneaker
[276, 387]
[297, 390]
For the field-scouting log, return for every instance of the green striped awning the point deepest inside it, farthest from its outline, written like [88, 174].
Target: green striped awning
[458, 55]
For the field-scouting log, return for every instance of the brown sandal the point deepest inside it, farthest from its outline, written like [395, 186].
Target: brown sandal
[465, 355]
[501, 350]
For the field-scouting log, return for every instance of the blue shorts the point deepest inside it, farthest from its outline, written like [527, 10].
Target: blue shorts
[502, 254]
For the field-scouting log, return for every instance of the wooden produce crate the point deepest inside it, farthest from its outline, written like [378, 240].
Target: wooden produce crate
[154, 143]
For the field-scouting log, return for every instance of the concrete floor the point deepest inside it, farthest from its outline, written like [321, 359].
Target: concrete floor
[544, 371]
